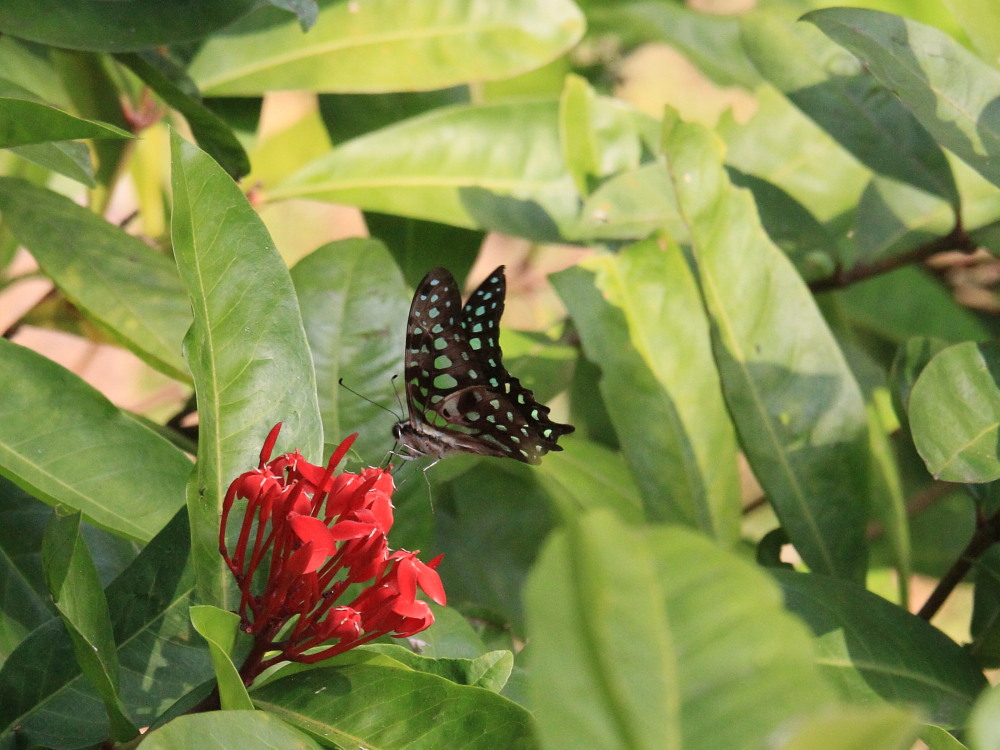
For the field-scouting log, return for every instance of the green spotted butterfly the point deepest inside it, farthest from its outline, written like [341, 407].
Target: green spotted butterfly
[459, 397]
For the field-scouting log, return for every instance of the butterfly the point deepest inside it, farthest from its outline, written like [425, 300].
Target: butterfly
[459, 396]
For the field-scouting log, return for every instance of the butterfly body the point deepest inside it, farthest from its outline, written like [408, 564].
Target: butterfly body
[459, 396]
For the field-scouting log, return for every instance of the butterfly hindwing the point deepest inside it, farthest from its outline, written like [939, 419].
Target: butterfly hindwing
[458, 394]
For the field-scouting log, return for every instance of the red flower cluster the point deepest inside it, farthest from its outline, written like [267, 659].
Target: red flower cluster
[322, 534]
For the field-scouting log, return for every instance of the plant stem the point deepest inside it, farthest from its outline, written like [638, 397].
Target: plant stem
[956, 239]
[986, 535]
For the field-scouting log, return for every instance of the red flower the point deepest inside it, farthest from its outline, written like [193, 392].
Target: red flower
[306, 537]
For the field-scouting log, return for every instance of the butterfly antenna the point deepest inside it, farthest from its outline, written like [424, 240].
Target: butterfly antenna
[395, 389]
[373, 403]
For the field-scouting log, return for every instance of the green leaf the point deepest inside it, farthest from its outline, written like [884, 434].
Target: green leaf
[579, 142]
[955, 413]
[24, 122]
[25, 602]
[641, 321]
[118, 27]
[117, 280]
[947, 88]
[68, 158]
[211, 132]
[875, 651]
[354, 308]
[219, 628]
[66, 444]
[830, 86]
[709, 40]
[630, 205]
[783, 146]
[907, 303]
[937, 738]
[381, 706]
[635, 645]
[889, 505]
[490, 518]
[980, 19]
[489, 670]
[77, 594]
[796, 406]
[382, 46]
[985, 625]
[42, 689]
[224, 730]
[881, 728]
[910, 360]
[496, 166]
[983, 731]
[246, 349]
[418, 246]
[893, 218]
[791, 226]
[590, 476]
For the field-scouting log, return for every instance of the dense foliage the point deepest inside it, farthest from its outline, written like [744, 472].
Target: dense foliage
[770, 236]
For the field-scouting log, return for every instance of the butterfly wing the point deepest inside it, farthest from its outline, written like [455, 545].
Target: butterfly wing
[458, 394]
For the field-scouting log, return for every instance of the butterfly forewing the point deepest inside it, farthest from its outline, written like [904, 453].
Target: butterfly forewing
[458, 394]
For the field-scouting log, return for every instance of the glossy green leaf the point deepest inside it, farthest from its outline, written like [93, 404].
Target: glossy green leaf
[83, 609]
[955, 413]
[641, 321]
[380, 706]
[947, 88]
[126, 287]
[829, 85]
[24, 122]
[660, 639]
[875, 651]
[161, 658]
[211, 132]
[795, 403]
[354, 307]
[881, 728]
[381, 45]
[495, 166]
[224, 730]
[66, 443]
[219, 628]
[246, 349]
[117, 27]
